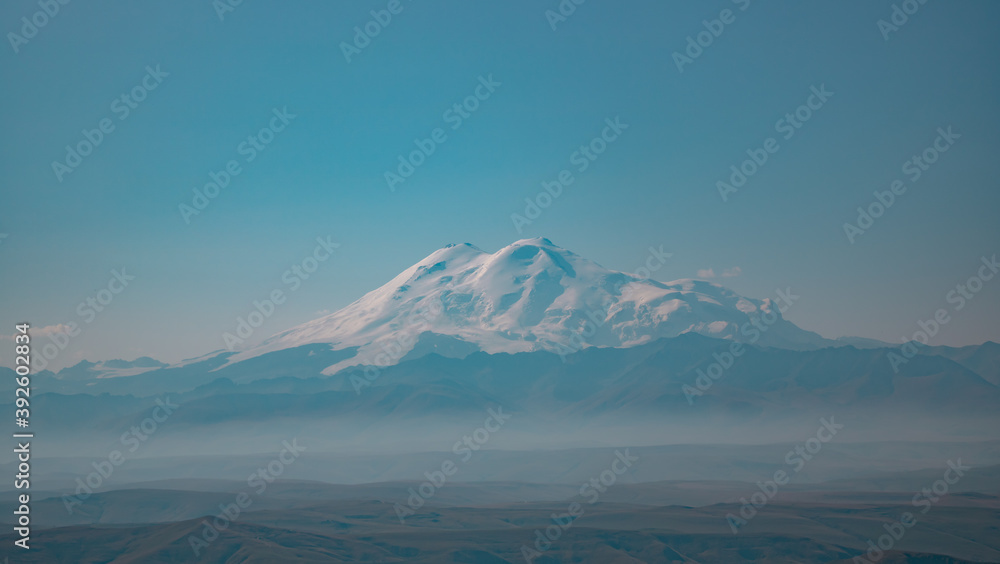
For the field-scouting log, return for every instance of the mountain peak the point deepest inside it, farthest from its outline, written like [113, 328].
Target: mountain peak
[463, 245]
[535, 241]
[451, 252]
[529, 295]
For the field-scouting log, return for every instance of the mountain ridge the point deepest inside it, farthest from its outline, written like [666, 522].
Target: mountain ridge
[534, 295]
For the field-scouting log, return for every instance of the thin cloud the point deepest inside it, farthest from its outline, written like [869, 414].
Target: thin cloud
[46, 331]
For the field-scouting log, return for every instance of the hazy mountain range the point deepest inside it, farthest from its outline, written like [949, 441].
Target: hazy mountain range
[711, 390]
[560, 341]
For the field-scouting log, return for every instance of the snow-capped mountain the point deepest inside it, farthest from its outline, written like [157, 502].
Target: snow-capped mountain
[531, 295]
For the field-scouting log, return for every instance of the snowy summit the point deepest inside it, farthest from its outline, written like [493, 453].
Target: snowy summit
[530, 295]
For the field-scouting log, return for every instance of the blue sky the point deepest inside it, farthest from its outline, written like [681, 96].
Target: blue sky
[324, 173]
